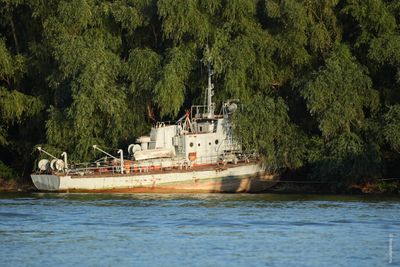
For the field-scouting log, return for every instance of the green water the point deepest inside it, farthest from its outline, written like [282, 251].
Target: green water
[198, 230]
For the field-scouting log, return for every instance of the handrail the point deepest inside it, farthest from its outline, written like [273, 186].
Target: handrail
[148, 165]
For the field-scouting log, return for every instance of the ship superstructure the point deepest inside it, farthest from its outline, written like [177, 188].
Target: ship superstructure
[199, 137]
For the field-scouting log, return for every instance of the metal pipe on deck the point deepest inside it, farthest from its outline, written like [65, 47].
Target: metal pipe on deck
[64, 154]
[96, 147]
[121, 152]
[47, 153]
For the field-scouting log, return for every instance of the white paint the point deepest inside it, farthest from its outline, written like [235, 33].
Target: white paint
[55, 183]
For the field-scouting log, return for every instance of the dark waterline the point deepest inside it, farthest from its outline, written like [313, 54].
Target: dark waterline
[198, 230]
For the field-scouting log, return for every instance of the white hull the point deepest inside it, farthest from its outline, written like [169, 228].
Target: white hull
[238, 178]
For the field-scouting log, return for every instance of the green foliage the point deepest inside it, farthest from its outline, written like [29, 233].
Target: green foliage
[264, 125]
[345, 158]
[338, 94]
[14, 105]
[6, 172]
[374, 19]
[324, 28]
[129, 14]
[391, 130]
[11, 67]
[181, 18]
[170, 89]
[144, 69]
[85, 50]
[292, 35]
[386, 49]
[389, 187]
[315, 76]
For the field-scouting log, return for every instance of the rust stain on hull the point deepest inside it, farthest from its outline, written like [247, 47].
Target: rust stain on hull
[245, 185]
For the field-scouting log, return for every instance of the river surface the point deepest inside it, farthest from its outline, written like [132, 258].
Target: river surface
[198, 230]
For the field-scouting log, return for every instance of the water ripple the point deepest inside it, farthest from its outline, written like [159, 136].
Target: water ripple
[197, 230]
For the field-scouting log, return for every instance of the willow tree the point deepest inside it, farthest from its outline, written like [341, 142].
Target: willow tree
[338, 96]
[90, 103]
[375, 41]
[318, 79]
[15, 107]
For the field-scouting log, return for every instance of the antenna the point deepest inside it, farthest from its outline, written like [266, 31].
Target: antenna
[210, 92]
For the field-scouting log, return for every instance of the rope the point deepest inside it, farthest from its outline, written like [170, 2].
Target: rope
[304, 182]
[389, 179]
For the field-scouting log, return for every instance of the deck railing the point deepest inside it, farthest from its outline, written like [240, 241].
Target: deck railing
[162, 164]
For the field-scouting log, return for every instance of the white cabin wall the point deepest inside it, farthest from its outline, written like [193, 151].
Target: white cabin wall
[208, 149]
[153, 138]
[169, 133]
[161, 137]
[211, 143]
[220, 127]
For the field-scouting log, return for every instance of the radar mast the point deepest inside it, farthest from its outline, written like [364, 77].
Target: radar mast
[210, 93]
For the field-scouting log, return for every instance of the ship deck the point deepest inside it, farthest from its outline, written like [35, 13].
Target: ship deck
[195, 168]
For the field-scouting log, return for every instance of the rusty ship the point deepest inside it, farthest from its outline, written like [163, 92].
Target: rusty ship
[197, 153]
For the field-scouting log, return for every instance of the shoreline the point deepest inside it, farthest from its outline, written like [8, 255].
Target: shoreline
[13, 186]
[380, 187]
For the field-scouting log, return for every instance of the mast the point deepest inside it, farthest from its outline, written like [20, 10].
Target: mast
[210, 93]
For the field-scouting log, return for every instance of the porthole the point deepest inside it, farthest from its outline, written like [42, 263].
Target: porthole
[198, 144]
[209, 143]
[216, 142]
[191, 144]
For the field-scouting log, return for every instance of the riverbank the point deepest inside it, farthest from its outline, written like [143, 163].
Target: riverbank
[383, 186]
[15, 186]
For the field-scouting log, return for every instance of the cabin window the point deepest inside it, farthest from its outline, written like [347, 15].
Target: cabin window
[198, 144]
[216, 142]
[191, 144]
[201, 129]
[209, 143]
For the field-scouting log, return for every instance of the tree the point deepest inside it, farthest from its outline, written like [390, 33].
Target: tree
[15, 106]
[318, 79]
[339, 96]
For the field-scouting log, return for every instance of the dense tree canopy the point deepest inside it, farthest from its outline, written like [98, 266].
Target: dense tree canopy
[319, 79]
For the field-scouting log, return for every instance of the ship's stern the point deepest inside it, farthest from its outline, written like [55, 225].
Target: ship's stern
[46, 182]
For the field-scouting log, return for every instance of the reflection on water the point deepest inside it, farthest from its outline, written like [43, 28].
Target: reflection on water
[201, 230]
